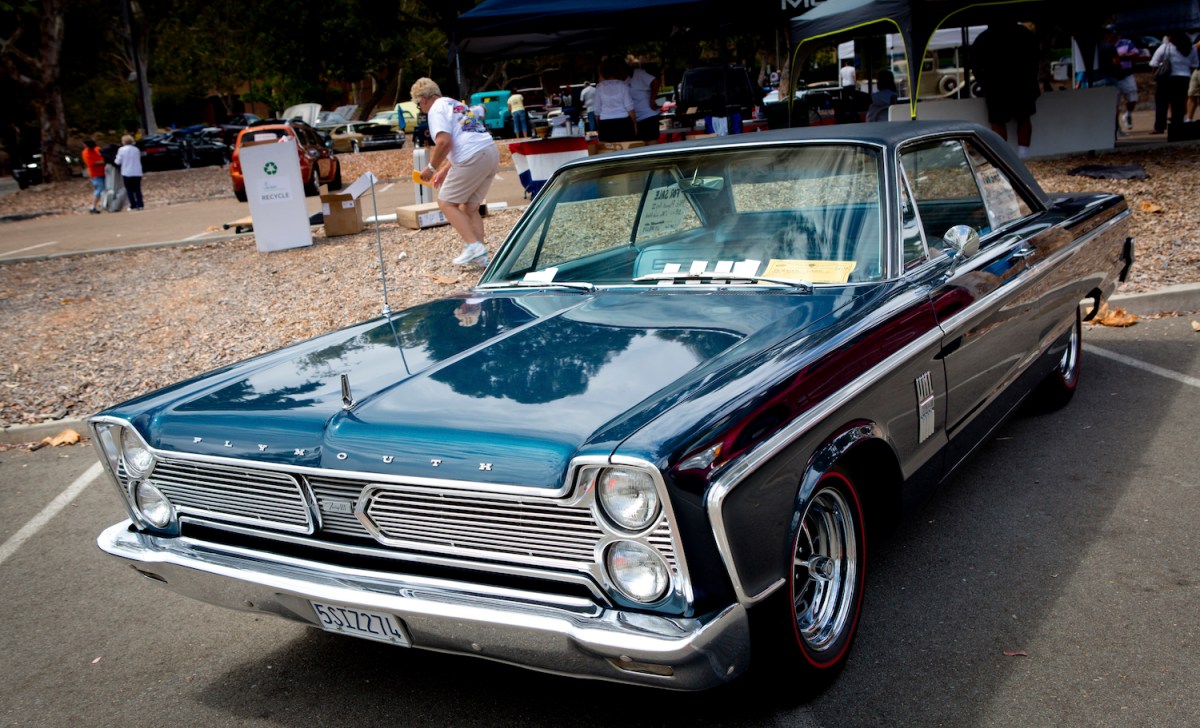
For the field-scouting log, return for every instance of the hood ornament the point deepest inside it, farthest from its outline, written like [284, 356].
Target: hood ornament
[347, 398]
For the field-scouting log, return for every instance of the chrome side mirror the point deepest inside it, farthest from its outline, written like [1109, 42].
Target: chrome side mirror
[963, 239]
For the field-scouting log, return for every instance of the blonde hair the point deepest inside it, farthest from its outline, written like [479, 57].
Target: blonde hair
[424, 88]
[127, 139]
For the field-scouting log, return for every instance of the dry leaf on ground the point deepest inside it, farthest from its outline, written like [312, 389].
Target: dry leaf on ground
[66, 437]
[1148, 206]
[1115, 317]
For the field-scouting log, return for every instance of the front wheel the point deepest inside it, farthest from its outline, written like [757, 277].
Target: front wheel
[806, 629]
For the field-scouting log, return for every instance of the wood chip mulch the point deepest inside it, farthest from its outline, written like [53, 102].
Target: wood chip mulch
[85, 332]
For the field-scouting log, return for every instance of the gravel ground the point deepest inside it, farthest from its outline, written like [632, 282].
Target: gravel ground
[85, 332]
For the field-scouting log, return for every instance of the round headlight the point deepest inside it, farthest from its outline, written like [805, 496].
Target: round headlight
[628, 497]
[153, 505]
[638, 571]
[138, 459]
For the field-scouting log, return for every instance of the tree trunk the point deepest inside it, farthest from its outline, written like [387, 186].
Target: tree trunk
[49, 87]
[384, 81]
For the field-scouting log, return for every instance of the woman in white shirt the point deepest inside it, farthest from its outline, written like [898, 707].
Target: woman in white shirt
[614, 106]
[1177, 57]
[643, 89]
[129, 160]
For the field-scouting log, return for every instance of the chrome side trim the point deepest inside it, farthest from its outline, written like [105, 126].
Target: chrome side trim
[547, 632]
[1069, 250]
[739, 470]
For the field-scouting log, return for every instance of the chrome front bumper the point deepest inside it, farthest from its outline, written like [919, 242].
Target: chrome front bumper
[548, 632]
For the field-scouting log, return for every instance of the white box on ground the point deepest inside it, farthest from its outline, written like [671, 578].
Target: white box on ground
[361, 185]
[275, 193]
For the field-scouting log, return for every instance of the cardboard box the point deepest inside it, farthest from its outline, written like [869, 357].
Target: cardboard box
[425, 215]
[343, 215]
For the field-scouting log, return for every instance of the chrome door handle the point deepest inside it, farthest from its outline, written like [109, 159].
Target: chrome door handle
[1024, 252]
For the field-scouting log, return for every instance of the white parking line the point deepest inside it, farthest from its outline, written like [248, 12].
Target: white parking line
[31, 247]
[50, 511]
[1144, 366]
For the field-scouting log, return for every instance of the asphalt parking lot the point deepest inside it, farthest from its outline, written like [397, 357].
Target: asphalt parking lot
[1052, 582]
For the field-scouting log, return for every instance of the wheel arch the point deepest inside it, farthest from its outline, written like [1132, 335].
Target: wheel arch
[859, 447]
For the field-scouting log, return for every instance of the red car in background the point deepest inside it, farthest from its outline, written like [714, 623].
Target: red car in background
[318, 166]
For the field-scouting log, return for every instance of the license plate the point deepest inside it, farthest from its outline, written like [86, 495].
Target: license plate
[377, 626]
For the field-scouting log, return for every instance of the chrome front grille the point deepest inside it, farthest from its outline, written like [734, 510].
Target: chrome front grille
[473, 525]
[338, 490]
[409, 517]
[266, 498]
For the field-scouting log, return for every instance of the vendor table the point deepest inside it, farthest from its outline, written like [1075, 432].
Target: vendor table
[537, 159]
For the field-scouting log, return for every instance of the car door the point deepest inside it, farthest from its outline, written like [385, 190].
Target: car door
[981, 300]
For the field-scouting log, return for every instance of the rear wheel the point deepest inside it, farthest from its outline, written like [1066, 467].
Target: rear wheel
[1059, 386]
[336, 182]
[807, 628]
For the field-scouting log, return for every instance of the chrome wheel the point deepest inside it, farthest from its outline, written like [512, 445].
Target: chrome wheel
[825, 580]
[1068, 365]
[1060, 383]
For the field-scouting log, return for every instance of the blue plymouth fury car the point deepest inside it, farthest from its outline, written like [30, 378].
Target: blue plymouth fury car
[652, 444]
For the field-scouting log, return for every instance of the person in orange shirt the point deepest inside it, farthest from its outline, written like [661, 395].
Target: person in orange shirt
[94, 161]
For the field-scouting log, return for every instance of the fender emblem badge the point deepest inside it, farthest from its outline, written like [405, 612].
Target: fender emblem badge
[436, 462]
[342, 456]
[485, 466]
[262, 448]
[298, 451]
[388, 458]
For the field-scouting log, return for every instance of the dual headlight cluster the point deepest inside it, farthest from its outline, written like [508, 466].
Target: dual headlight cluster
[125, 451]
[630, 502]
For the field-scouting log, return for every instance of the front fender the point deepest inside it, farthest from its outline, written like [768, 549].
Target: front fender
[753, 511]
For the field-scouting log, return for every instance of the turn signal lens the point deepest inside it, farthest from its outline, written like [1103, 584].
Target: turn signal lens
[628, 498]
[638, 571]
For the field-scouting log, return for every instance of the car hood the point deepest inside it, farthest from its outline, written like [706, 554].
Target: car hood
[497, 388]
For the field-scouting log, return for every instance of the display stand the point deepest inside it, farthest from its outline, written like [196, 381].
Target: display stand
[536, 160]
[275, 193]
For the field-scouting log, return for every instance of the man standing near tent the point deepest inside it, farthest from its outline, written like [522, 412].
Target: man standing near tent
[462, 165]
[1005, 61]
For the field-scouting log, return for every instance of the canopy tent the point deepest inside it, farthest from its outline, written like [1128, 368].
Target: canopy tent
[512, 28]
[916, 21]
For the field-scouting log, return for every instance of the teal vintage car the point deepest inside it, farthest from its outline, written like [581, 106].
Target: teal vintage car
[498, 120]
[652, 443]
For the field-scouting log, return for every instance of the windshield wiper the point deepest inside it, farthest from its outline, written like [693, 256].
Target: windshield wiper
[573, 285]
[681, 276]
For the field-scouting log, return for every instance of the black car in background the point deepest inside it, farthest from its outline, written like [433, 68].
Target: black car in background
[716, 90]
[183, 148]
[234, 124]
[30, 173]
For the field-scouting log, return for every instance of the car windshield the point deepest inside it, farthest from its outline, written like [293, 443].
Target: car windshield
[753, 215]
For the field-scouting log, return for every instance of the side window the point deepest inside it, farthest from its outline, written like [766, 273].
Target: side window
[1000, 197]
[943, 182]
[915, 252]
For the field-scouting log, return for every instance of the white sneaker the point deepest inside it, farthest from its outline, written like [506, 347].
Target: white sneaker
[471, 254]
[1128, 119]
